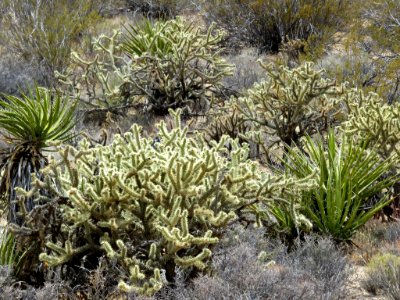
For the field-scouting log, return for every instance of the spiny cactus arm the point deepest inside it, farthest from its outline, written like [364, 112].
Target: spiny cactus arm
[174, 64]
[103, 80]
[197, 261]
[154, 283]
[140, 282]
[62, 255]
[374, 120]
[207, 216]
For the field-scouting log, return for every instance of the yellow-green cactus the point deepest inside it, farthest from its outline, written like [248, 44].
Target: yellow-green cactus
[289, 104]
[371, 118]
[176, 65]
[102, 81]
[152, 205]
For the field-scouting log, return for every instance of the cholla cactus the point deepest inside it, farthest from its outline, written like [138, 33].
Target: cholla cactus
[371, 118]
[224, 120]
[105, 80]
[153, 205]
[175, 65]
[290, 104]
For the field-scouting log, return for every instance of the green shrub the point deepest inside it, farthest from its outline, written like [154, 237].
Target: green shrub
[175, 65]
[42, 32]
[348, 175]
[165, 9]
[150, 205]
[384, 275]
[378, 35]
[267, 24]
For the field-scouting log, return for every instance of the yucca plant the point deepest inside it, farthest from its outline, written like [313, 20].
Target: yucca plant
[150, 39]
[10, 257]
[29, 123]
[349, 176]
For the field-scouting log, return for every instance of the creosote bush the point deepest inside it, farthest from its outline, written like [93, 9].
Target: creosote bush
[150, 205]
[267, 24]
[377, 35]
[164, 9]
[31, 30]
[383, 275]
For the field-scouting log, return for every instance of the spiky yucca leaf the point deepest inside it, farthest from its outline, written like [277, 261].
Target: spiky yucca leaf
[150, 39]
[10, 257]
[37, 117]
[349, 176]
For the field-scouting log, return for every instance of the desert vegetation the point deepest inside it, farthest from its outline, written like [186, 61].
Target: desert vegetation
[180, 149]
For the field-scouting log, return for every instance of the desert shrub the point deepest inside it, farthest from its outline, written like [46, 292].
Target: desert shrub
[150, 205]
[355, 67]
[31, 30]
[249, 266]
[378, 36]
[16, 75]
[379, 237]
[268, 24]
[50, 291]
[175, 65]
[348, 175]
[384, 275]
[165, 9]
[392, 232]
[246, 73]
[289, 104]
[224, 120]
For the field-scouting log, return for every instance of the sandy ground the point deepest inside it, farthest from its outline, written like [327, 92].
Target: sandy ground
[356, 291]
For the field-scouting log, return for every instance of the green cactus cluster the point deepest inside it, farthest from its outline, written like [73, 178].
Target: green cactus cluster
[166, 64]
[103, 81]
[371, 118]
[152, 205]
[176, 65]
[289, 104]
